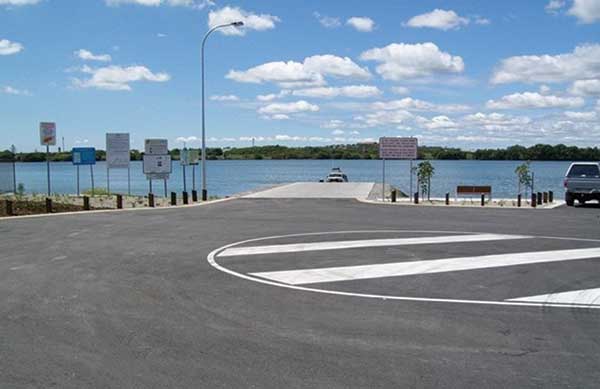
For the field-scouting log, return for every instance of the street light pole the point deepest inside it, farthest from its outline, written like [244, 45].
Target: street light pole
[204, 191]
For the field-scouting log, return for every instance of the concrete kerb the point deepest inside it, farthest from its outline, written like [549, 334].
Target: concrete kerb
[405, 202]
[4, 218]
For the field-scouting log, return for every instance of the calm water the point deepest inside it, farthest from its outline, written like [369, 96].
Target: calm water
[230, 177]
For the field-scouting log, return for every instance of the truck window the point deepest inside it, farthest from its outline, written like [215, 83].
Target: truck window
[584, 171]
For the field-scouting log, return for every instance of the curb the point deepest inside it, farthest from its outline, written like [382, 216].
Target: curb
[476, 206]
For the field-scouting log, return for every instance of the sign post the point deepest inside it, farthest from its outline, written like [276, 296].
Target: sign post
[84, 156]
[118, 156]
[157, 161]
[398, 148]
[48, 138]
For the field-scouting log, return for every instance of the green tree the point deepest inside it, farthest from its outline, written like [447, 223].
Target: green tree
[525, 177]
[425, 171]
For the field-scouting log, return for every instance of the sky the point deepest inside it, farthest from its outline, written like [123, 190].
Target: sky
[461, 73]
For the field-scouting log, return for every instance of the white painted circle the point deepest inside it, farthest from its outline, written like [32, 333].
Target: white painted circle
[214, 254]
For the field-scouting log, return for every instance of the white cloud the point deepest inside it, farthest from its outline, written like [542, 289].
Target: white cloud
[279, 110]
[586, 87]
[251, 20]
[87, 55]
[410, 104]
[327, 21]
[18, 2]
[400, 90]
[273, 96]
[9, 90]
[161, 35]
[8, 48]
[582, 63]
[337, 132]
[583, 116]
[333, 124]
[440, 122]
[482, 21]
[362, 24]
[197, 4]
[554, 6]
[187, 139]
[224, 98]
[380, 118]
[586, 11]
[117, 78]
[402, 61]
[438, 18]
[495, 121]
[311, 72]
[534, 100]
[353, 91]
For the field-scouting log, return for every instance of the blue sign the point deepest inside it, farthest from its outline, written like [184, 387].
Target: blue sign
[84, 156]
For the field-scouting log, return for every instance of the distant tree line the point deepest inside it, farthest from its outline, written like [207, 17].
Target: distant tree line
[539, 152]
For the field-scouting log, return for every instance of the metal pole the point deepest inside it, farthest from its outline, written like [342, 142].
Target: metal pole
[48, 166]
[14, 161]
[193, 177]
[107, 178]
[184, 179]
[411, 180]
[78, 193]
[165, 182]
[204, 190]
[383, 182]
[92, 178]
[129, 179]
[150, 181]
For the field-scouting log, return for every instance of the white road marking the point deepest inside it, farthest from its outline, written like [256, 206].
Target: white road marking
[350, 244]
[574, 297]
[346, 273]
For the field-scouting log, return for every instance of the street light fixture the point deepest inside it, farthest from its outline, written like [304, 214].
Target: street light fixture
[204, 191]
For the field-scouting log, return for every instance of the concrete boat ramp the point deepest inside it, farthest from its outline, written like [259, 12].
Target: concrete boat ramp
[320, 190]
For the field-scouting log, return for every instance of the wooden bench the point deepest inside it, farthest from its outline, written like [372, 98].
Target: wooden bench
[470, 190]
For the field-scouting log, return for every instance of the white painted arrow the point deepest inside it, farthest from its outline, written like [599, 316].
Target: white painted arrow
[576, 297]
[346, 273]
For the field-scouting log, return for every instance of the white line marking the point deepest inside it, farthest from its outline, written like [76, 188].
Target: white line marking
[351, 244]
[577, 297]
[346, 273]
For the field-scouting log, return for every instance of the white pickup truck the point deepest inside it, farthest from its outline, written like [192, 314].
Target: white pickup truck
[582, 183]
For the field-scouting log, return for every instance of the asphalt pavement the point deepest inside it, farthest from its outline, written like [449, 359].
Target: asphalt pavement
[319, 293]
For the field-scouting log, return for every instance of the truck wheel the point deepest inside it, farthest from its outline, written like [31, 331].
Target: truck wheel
[569, 199]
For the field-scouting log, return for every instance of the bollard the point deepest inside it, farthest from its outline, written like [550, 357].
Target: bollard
[185, 198]
[545, 197]
[539, 198]
[394, 194]
[447, 198]
[151, 200]
[119, 201]
[550, 196]
[204, 195]
[519, 200]
[195, 196]
[416, 197]
[48, 205]
[86, 203]
[482, 199]
[533, 200]
[9, 208]
[173, 198]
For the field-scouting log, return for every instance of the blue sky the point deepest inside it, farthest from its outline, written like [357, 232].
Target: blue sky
[454, 73]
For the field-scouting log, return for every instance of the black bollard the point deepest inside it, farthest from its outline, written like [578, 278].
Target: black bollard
[151, 200]
[9, 208]
[86, 203]
[519, 200]
[204, 195]
[394, 194]
[48, 205]
[447, 198]
[185, 198]
[539, 198]
[533, 200]
[416, 197]
[545, 197]
[195, 196]
[482, 200]
[173, 198]
[550, 196]
[119, 201]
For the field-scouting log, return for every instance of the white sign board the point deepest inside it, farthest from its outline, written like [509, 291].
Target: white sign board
[398, 148]
[117, 150]
[156, 146]
[48, 134]
[157, 164]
